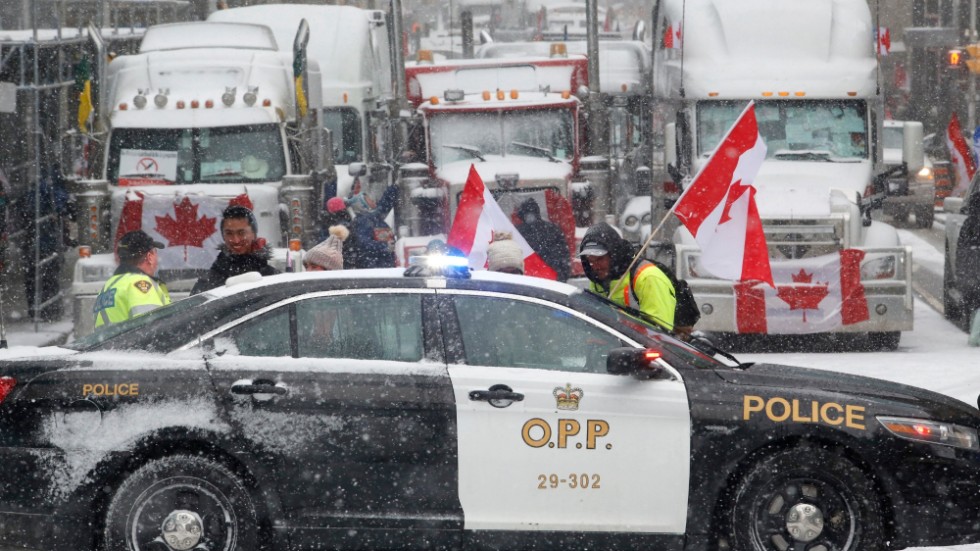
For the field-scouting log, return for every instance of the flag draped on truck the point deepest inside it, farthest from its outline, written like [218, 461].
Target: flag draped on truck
[964, 164]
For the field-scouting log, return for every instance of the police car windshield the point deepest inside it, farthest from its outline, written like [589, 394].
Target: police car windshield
[106, 334]
[675, 352]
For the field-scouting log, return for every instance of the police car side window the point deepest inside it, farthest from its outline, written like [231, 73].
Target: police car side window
[365, 327]
[266, 336]
[510, 333]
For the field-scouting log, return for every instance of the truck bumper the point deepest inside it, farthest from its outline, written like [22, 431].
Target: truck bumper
[889, 303]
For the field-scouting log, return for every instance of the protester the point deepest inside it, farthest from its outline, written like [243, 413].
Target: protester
[606, 257]
[242, 251]
[545, 237]
[505, 255]
[375, 243]
[134, 288]
[328, 254]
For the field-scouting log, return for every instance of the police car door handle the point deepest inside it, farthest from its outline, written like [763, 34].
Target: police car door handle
[258, 387]
[499, 396]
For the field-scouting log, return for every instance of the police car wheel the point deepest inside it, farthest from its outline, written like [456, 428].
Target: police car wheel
[806, 498]
[181, 503]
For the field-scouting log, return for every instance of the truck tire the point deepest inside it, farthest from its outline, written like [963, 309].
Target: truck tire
[951, 310]
[806, 498]
[183, 500]
[884, 341]
[925, 216]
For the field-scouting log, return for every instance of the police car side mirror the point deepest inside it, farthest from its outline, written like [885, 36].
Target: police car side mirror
[635, 361]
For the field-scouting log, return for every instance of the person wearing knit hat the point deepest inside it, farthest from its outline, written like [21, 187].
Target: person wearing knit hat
[329, 254]
[505, 255]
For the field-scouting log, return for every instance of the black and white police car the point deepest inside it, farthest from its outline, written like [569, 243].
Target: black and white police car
[379, 410]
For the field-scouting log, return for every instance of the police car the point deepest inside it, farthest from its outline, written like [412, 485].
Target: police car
[387, 409]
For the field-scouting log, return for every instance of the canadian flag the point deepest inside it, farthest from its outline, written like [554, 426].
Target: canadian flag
[477, 217]
[719, 208]
[673, 38]
[963, 163]
[188, 225]
[883, 41]
[811, 295]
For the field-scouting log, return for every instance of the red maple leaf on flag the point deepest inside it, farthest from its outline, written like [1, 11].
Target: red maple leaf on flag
[803, 298]
[185, 229]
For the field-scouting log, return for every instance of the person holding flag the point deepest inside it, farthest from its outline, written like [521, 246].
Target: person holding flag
[478, 217]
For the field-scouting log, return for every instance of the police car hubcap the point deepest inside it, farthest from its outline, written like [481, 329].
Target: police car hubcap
[182, 530]
[804, 522]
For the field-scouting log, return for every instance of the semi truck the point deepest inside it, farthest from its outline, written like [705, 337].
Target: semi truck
[811, 69]
[205, 114]
[351, 48]
[517, 121]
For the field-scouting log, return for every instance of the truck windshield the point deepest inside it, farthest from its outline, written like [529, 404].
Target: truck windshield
[547, 134]
[153, 156]
[804, 130]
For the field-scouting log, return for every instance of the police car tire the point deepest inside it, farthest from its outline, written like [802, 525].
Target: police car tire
[806, 475]
[143, 501]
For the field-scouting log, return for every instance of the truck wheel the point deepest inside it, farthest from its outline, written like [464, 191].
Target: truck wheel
[951, 310]
[181, 503]
[886, 341]
[925, 216]
[806, 498]
[900, 215]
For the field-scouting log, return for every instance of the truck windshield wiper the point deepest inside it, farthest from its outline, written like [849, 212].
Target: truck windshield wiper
[540, 151]
[469, 149]
[804, 155]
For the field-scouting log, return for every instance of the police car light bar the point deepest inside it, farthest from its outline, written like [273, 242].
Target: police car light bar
[439, 261]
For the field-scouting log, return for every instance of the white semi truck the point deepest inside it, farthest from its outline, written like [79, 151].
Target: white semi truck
[810, 68]
[204, 115]
[351, 48]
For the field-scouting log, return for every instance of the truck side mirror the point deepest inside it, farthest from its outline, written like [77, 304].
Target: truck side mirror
[912, 148]
[670, 144]
[638, 362]
[357, 169]
[953, 205]
[640, 31]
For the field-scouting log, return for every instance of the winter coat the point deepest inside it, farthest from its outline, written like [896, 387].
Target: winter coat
[229, 265]
[373, 241]
[546, 238]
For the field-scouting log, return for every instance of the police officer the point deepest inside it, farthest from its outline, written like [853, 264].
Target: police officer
[606, 259]
[134, 288]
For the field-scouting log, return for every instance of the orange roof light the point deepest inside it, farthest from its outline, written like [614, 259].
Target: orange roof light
[712, 94]
[767, 94]
[424, 56]
[209, 103]
[123, 107]
[295, 245]
[565, 94]
[514, 94]
[625, 87]
[434, 100]
[784, 94]
[559, 49]
[800, 94]
[345, 97]
[852, 94]
[500, 95]
[84, 251]
[195, 104]
[267, 102]
[486, 95]
[181, 104]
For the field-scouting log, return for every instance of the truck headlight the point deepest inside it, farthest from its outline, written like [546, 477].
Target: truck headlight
[97, 272]
[931, 432]
[881, 267]
[631, 223]
[925, 173]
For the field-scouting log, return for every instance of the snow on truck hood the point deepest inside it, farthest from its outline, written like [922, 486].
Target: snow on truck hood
[795, 189]
[527, 168]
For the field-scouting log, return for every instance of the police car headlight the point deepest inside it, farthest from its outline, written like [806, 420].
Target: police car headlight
[97, 272]
[931, 432]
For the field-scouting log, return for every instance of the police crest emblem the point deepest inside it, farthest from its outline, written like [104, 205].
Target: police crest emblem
[143, 285]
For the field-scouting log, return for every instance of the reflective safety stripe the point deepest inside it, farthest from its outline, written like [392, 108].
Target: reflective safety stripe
[629, 297]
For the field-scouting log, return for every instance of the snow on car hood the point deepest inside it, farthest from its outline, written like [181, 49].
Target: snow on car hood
[797, 189]
[529, 169]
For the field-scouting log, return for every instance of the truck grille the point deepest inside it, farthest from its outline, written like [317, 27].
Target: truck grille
[789, 239]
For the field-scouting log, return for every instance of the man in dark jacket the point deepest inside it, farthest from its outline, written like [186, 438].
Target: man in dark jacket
[241, 252]
[545, 237]
[373, 243]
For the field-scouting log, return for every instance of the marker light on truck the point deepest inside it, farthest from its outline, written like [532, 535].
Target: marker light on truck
[195, 104]
[6, 385]
[209, 104]
[181, 104]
